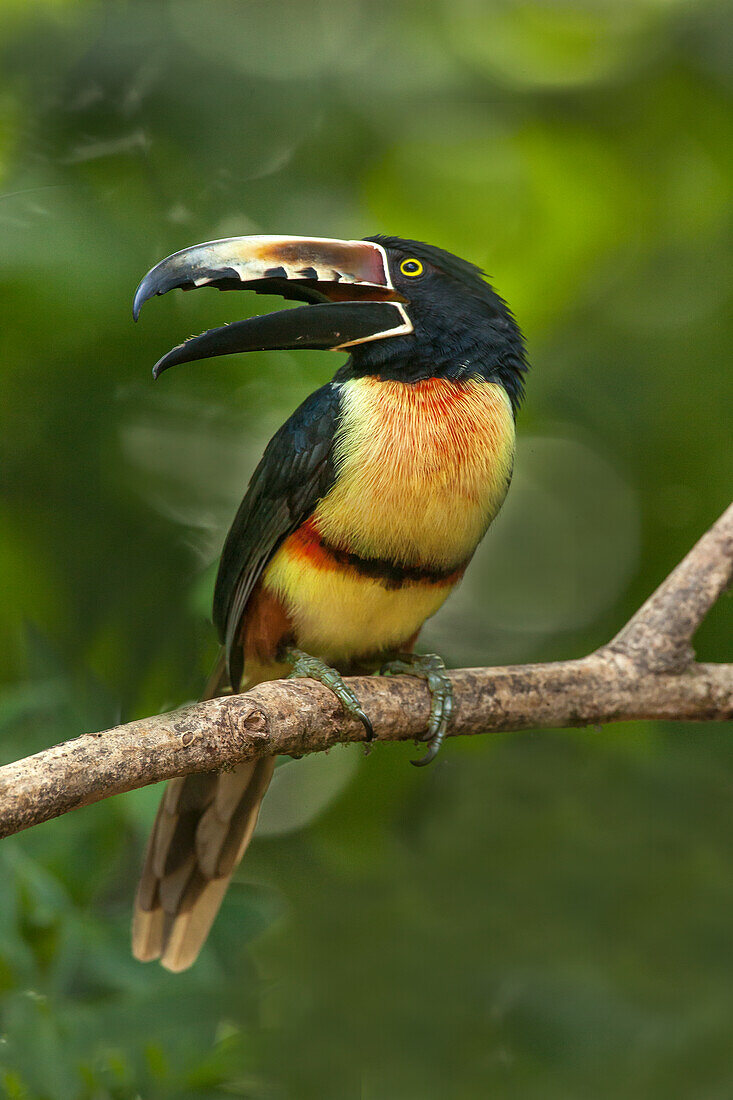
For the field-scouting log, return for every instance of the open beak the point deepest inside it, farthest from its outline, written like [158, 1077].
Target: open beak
[347, 283]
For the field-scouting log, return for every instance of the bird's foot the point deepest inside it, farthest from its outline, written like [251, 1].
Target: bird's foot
[429, 667]
[315, 669]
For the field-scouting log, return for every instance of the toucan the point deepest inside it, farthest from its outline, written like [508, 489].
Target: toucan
[359, 520]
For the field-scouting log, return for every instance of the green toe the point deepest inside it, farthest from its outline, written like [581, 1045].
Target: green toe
[315, 669]
[431, 668]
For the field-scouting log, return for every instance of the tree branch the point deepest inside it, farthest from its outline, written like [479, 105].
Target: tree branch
[658, 637]
[646, 672]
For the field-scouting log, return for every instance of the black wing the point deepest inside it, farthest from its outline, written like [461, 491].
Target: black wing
[295, 472]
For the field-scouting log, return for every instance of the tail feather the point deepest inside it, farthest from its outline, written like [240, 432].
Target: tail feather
[203, 827]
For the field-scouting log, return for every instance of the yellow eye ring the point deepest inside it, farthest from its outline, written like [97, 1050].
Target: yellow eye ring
[412, 268]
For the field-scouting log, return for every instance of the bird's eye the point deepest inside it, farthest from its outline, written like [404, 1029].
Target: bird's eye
[411, 267]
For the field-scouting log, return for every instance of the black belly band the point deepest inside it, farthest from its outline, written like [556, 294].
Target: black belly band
[390, 573]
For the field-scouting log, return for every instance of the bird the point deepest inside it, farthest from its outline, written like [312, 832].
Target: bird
[360, 519]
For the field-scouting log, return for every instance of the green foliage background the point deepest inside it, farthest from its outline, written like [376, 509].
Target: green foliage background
[540, 915]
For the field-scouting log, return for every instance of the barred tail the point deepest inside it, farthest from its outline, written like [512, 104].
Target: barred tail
[202, 830]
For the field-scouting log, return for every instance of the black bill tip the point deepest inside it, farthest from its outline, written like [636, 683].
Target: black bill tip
[160, 281]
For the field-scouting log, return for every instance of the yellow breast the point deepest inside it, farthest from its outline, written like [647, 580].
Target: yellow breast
[422, 469]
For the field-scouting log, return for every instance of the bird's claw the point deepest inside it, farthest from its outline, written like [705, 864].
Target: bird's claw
[315, 669]
[431, 668]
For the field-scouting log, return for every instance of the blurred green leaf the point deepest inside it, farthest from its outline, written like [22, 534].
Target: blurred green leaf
[302, 789]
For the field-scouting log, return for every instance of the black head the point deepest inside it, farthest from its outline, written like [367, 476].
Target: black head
[462, 327]
[403, 309]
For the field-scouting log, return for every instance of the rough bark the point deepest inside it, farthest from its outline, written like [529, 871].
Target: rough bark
[646, 671]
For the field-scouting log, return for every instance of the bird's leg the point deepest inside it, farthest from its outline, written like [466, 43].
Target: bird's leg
[315, 669]
[429, 667]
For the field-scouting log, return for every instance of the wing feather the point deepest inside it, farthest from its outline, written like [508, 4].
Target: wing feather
[295, 472]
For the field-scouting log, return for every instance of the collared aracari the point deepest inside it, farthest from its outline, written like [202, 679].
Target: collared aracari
[360, 519]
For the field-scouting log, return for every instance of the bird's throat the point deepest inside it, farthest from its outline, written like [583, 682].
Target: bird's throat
[422, 469]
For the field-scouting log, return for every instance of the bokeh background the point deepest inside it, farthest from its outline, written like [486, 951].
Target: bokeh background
[541, 915]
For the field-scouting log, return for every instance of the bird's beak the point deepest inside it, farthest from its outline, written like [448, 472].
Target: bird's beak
[348, 283]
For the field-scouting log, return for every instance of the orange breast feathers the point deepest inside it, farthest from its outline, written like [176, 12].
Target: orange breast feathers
[422, 469]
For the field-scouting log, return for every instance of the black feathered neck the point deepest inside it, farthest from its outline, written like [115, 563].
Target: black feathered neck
[462, 328]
